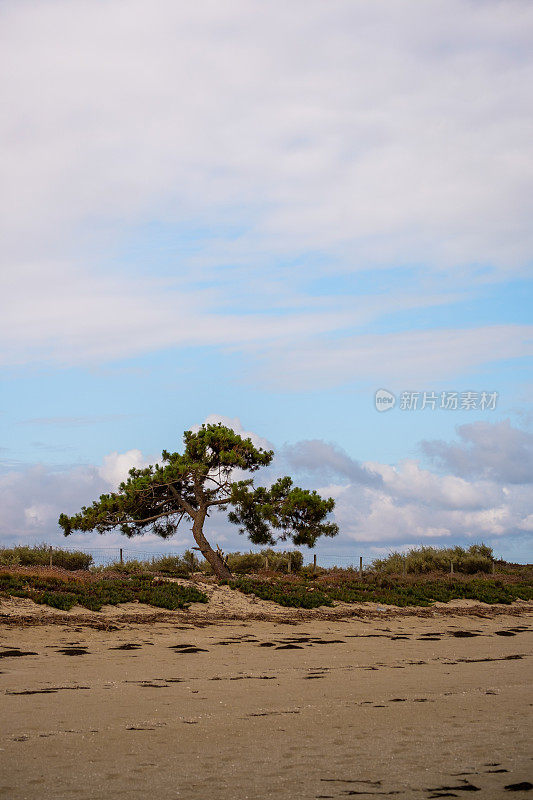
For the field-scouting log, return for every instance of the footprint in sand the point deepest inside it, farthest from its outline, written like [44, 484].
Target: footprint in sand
[525, 786]
[15, 653]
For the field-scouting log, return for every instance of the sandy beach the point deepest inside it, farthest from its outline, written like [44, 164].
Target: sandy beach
[420, 705]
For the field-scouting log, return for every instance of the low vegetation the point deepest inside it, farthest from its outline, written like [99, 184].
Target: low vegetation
[266, 559]
[173, 566]
[40, 555]
[93, 593]
[286, 593]
[422, 560]
[419, 577]
[186, 565]
[176, 566]
[309, 592]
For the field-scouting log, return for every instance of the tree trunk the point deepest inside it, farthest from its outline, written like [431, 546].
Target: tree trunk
[219, 568]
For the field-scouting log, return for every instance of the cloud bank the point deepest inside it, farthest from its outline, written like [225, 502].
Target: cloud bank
[165, 173]
[321, 120]
[476, 495]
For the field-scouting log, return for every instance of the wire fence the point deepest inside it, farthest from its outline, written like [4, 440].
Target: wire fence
[326, 560]
[115, 554]
[105, 556]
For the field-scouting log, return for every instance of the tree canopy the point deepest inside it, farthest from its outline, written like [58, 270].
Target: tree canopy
[187, 485]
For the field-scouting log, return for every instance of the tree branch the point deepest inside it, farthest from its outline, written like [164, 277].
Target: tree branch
[134, 521]
[183, 503]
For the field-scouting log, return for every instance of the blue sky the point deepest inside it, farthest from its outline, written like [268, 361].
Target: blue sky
[263, 215]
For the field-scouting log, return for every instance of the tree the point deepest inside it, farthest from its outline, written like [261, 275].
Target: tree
[188, 485]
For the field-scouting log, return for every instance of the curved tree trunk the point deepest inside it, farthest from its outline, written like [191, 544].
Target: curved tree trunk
[219, 567]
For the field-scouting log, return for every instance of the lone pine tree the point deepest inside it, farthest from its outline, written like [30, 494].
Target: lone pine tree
[160, 496]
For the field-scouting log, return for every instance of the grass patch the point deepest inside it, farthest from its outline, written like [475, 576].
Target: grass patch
[422, 560]
[39, 556]
[173, 566]
[93, 594]
[302, 592]
[294, 595]
[183, 566]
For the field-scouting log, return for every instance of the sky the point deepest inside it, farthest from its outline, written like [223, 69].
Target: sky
[263, 214]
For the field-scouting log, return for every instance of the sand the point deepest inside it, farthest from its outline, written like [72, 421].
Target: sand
[194, 705]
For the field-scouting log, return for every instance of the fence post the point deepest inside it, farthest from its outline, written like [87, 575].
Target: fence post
[493, 567]
[314, 562]
[51, 550]
[360, 566]
[121, 557]
[451, 567]
[289, 563]
[404, 566]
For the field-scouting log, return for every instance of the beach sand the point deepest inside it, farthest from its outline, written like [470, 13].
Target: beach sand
[402, 704]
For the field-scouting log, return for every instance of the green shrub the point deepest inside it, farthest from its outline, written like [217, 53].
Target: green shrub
[39, 555]
[422, 560]
[243, 563]
[131, 567]
[63, 600]
[246, 563]
[285, 594]
[95, 593]
[8, 557]
[166, 596]
[304, 593]
[178, 566]
[279, 561]
[310, 572]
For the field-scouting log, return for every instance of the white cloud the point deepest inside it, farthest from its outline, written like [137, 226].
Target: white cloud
[527, 523]
[55, 314]
[410, 482]
[371, 516]
[116, 466]
[413, 504]
[329, 459]
[32, 498]
[397, 360]
[326, 121]
[39, 514]
[499, 451]
[370, 134]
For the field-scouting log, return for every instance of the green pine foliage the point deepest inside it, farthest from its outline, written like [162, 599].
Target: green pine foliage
[187, 485]
[159, 496]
